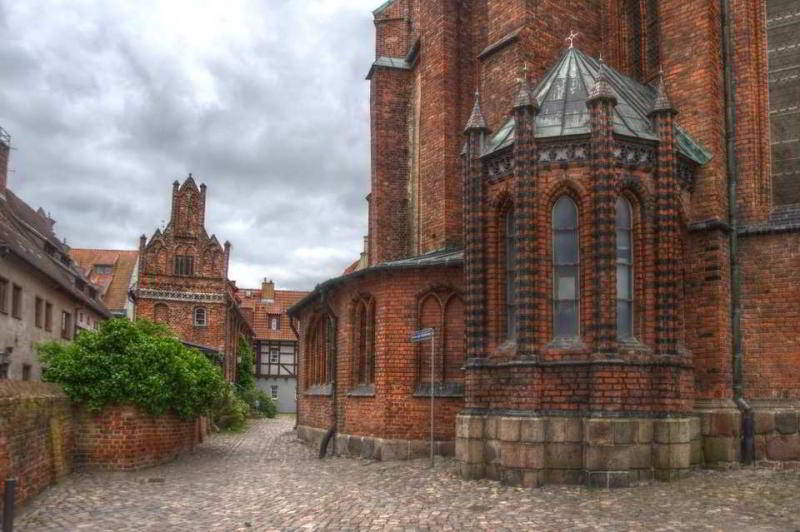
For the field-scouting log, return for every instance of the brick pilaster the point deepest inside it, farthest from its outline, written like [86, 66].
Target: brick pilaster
[667, 243]
[525, 109]
[601, 103]
[474, 236]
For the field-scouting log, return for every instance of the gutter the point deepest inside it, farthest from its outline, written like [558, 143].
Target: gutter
[737, 355]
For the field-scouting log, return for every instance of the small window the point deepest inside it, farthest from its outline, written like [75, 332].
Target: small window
[39, 312]
[4, 296]
[16, 301]
[48, 316]
[274, 323]
[26, 372]
[274, 390]
[184, 265]
[103, 269]
[274, 355]
[200, 317]
[66, 325]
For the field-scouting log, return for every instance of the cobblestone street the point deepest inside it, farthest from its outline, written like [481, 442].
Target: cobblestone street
[265, 479]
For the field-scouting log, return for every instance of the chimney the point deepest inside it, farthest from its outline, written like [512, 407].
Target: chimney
[5, 148]
[267, 290]
[202, 212]
[227, 259]
[174, 213]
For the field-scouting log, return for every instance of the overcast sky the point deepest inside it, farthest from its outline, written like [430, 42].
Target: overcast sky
[109, 101]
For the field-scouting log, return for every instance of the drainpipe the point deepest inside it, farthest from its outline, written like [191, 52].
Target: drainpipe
[331, 339]
[747, 431]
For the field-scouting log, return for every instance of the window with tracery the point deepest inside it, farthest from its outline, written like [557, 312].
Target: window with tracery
[317, 352]
[566, 269]
[364, 342]
[200, 317]
[643, 38]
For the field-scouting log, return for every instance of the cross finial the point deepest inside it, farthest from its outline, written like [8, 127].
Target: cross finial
[571, 37]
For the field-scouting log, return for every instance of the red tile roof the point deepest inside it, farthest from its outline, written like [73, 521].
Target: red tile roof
[262, 311]
[114, 286]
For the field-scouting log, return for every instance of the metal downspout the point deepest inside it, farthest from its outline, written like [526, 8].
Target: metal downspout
[296, 365]
[747, 430]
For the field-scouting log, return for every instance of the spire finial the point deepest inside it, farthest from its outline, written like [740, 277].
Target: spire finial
[476, 120]
[571, 37]
[662, 101]
[524, 97]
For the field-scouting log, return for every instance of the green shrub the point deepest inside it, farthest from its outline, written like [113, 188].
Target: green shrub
[230, 412]
[137, 363]
[260, 403]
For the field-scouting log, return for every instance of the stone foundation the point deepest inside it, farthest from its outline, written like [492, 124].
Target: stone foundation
[776, 438]
[375, 448]
[531, 451]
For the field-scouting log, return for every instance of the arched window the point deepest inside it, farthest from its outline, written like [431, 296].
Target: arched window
[200, 317]
[624, 269]
[316, 353]
[510, 274]
[364, 344]
[566, 269]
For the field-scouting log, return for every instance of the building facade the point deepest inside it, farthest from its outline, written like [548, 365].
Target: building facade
[275, 342]
[183, 281]
[618, 236]
[43, 293]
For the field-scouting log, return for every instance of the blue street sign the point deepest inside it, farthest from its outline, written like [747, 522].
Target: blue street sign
[422, 334]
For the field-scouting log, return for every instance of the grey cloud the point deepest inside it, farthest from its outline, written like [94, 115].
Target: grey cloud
[276, 124]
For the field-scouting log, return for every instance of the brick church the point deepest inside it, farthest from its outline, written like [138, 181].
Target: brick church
[603, 232]
[183, 281]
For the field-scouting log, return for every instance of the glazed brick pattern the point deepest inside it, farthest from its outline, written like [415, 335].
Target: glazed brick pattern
[37, 435]
[123, 438]
[390, 409]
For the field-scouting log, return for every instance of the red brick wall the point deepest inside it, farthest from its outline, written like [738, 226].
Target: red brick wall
[771, 315]
[124, 437]
[393, 411]
[36, 436]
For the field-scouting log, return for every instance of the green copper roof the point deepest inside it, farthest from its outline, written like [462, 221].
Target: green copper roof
[562, 95]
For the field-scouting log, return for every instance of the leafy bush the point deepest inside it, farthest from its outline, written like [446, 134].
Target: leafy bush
[230, 412]
[133, 363]
[260, 403]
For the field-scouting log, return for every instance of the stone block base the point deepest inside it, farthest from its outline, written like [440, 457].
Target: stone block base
[374, 448]
[608, 452]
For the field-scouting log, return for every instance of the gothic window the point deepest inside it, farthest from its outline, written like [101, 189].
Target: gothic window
[364, 342]
[316, 355]
[200, 317]
[643, 38]
[566, 269]
[453, 336]
[430, 316]
[510, 275]
[624, 269]
[161, 313]
[184, 265]
[783, 56]
[442, 310]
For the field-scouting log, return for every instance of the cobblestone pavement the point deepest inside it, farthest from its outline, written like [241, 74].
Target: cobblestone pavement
[265, 479]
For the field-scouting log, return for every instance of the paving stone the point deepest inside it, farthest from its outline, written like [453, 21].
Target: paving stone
[266, 479]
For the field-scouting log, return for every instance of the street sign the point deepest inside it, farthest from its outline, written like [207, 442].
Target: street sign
[422, 335]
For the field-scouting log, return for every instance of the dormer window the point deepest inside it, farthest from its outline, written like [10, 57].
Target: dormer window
[184, 265]
[103, 269]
